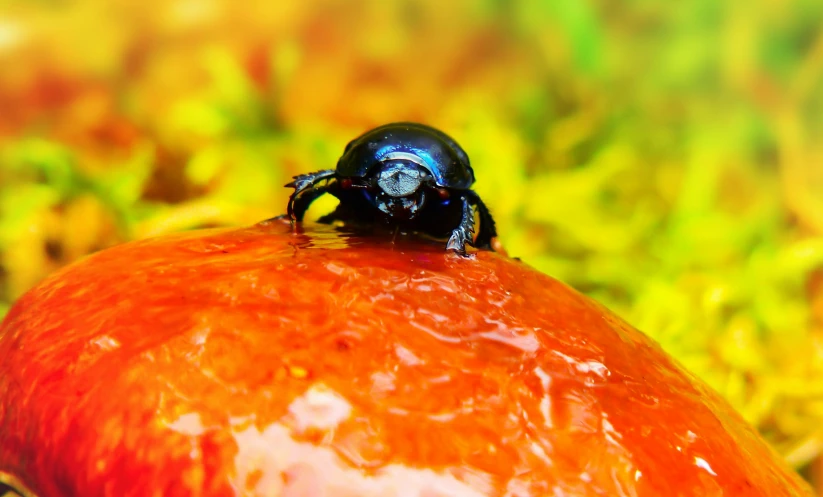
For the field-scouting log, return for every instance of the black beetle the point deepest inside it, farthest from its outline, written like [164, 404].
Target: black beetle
[406, 174]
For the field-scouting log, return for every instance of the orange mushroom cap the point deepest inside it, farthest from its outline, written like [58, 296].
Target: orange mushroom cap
[263, 361]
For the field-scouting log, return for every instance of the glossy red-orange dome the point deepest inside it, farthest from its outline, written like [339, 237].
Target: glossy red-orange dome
[264, 362]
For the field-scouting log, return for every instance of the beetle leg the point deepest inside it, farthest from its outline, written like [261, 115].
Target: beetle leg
[302, 183]
[305, 181]
[488, 230]
[301, 204]
[464, 231]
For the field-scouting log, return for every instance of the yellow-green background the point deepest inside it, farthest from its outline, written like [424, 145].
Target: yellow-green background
[663, 157]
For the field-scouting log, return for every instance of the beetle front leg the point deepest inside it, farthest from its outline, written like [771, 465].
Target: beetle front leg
[303, 183]
[303, 202]
[488, 230]
[464, 231]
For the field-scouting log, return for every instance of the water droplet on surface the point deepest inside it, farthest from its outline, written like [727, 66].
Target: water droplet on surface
[701, 463]
[320, 408]
[188, 424]
[298, 372]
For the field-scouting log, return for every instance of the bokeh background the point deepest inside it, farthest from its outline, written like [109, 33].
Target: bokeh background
[664, 157]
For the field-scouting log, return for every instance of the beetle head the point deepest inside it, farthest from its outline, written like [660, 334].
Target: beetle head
[401, 182]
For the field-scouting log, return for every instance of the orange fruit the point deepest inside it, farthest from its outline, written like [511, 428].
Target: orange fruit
[263, 361]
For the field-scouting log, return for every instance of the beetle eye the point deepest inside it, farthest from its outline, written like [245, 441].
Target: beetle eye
[345, 183]
[443, 193]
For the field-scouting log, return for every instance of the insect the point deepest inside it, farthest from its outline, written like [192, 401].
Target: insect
[406, 174]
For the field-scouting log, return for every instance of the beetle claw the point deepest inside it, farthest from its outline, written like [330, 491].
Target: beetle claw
[457, 246]
[303, 182]
[462, 235]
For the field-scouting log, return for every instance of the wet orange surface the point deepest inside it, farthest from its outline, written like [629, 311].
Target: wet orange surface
[264, 362]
